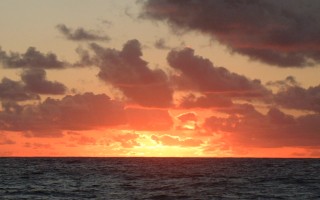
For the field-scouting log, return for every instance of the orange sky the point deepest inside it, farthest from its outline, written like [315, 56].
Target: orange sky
[156, 78]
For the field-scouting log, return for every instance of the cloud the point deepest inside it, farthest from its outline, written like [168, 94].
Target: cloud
[32, 58]
[296, 97]
[284, 34]
[85, 58]
[15, 91]
[126, 71]
[207, 101]
[176, 141]
[161, 44]
[4, 140]
[80, 34]
[190, 116]
[78, 112]
[207, 78]
[289, 81]
[247, 127]
[83, 140]
[35, 81]
[149, 119]
[126, 140]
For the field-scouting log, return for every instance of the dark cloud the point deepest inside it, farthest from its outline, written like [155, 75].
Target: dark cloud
[32, 58]
[278, 117]
[282, 33]
[207, 101]
[161, 44]
[289, 81]
[126, 71]
[85, 58]
[48, 119]
[15, 91]
[35, 81]
[81, 34]
[149, 119]
[207, 78]
[296, 97]
[247, 127]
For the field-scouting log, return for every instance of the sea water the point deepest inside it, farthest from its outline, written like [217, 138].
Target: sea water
[159, 178]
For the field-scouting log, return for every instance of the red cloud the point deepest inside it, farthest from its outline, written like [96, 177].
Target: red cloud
[78, 112]
[149, 119]
[175, 141]
[246, 126]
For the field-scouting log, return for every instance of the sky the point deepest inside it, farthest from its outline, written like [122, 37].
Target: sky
[160, 78]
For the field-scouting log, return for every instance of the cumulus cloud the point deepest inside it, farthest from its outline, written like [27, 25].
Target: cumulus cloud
[15, 91]
[247, 127]
[149, 119]
[280, 33]
[208, 78]
[49, 118]
[35, 81]
[32, 58]
[296, 97]
[289, 81]
[126, 71]
[80, 34]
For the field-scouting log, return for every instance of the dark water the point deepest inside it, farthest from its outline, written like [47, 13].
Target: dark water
[159, 178]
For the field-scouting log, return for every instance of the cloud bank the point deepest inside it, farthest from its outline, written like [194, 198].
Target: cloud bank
[283, 34]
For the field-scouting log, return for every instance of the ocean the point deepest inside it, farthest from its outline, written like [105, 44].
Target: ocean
[159, 178]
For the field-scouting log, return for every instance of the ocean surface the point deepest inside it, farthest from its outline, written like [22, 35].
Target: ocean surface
[159, 178]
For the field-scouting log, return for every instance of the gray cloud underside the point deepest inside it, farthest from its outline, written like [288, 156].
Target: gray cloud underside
[15, 91]
[127, 71]
[281, 33]
[35, 81]
[80, 34]
[78, 112]
[200, 74]
[32, 58]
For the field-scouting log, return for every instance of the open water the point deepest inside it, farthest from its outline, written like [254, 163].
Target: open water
[159, 178]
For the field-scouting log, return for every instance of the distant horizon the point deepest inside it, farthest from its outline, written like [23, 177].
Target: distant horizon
[185, 157]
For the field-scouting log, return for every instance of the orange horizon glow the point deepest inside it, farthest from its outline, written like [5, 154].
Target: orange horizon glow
[159, 78]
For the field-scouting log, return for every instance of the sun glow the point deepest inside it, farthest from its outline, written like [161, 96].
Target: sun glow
[148, 147]
[160, 150]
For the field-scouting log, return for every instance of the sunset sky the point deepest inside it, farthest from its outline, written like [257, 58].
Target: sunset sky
[206, 78]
